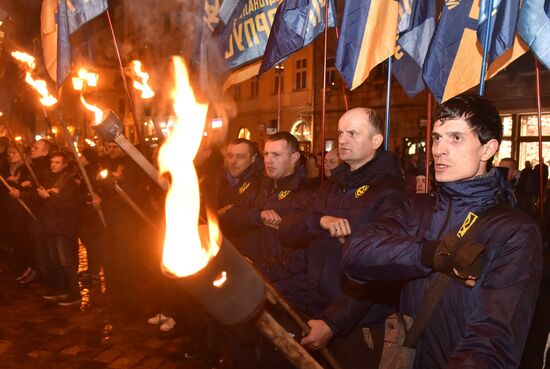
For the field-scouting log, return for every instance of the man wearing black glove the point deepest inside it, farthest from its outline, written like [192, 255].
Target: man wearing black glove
[484, 313]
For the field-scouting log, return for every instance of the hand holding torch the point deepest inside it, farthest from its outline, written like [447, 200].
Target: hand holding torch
[20, 201]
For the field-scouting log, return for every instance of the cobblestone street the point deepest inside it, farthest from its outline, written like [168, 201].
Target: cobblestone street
[35, 333]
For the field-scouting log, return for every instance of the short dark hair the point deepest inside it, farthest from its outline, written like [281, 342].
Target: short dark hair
[478, 112]
[375, 121]
[61, 154]
[252, 146]
[290, 139]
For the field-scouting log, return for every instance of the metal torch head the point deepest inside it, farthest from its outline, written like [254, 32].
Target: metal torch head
[228, 287]
[110, 128]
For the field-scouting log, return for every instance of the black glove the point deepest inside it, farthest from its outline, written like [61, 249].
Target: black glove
[453, 252]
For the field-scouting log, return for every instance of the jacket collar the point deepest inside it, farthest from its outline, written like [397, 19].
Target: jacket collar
[384, 163]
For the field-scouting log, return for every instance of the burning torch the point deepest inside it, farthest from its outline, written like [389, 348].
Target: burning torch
[112, 129]
[205, 263]
[141, 83]
[48, 100]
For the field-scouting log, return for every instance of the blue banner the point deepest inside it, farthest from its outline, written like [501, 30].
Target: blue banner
[244, 38]
[416, 27]
[297, 23]
[534, 28]
[504, 15]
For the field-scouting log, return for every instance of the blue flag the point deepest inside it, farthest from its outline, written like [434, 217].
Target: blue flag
[534, 28]
[416, 27]
[71, 15]
[504, 15]
[297, 23]
[243, 38]
[367, 37]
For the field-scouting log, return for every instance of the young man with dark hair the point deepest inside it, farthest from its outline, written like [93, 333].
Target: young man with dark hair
[57, 218]
[243, 170]
[483, 316]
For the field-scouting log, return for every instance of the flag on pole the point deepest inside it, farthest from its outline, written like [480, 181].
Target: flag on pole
[367, 37]
[534, 28]
[297, 23]
[415, 30]
[453, 62]
[504, 15]
[59, 19]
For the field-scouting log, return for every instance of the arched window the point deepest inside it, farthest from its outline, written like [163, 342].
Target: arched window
[301, 130]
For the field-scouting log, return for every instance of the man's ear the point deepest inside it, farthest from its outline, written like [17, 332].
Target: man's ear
[489, 149]
[253, 158]
[294, 157]
[377, 140]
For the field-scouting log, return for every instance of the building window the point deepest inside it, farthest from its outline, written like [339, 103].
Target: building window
[505, 149]
[237, 92]
[301, 74]
[276, 83]
[254, 87]
[331, 78]
[528, 139]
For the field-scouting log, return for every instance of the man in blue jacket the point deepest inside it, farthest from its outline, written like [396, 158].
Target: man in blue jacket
[365, 186]
[484, 314]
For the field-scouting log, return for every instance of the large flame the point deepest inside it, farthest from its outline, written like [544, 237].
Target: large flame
[25, 58]
[42, 88]
[98, 113]
[185, 251]
[143, 86]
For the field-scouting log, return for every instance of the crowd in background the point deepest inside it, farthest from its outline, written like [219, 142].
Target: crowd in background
[272, 205]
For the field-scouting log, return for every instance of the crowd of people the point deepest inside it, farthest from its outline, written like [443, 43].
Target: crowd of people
[460, 269]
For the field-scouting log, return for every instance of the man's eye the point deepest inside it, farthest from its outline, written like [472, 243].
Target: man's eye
[457, 138]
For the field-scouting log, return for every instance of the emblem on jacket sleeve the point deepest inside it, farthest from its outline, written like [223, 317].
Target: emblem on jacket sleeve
[468, 222]
[283, 194]
[361, 191]
[244, 187]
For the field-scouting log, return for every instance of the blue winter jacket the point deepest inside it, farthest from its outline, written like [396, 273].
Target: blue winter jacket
[481, 327]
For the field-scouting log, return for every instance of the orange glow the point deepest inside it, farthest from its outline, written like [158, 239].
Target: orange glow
[143, 86]
[98, 113]
[187, 247]
[25, 58]
[104, 173]
[42, 88]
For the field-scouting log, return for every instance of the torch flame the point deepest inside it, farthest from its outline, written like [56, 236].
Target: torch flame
[42, 88]
[98, 113]
[143, 86]
[25, 58]
[185, 251]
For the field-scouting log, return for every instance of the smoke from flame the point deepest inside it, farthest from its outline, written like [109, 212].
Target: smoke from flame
[185, 251]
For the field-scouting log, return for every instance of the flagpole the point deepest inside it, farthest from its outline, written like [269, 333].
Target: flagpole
[324, 104]
[279, 97]
[541, 158]
[428, 141]
[485, 51]
[388, 95]
[344, 92]
[125, 83]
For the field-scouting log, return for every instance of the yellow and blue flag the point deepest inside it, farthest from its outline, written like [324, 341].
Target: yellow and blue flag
[297, 23]
[367, 37]
[59, 19]
[415, 30]
[504, 16]
[534, 28]
[453, 62]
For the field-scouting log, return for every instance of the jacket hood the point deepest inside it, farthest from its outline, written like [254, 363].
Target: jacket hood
[481, 191]
[384, 163]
